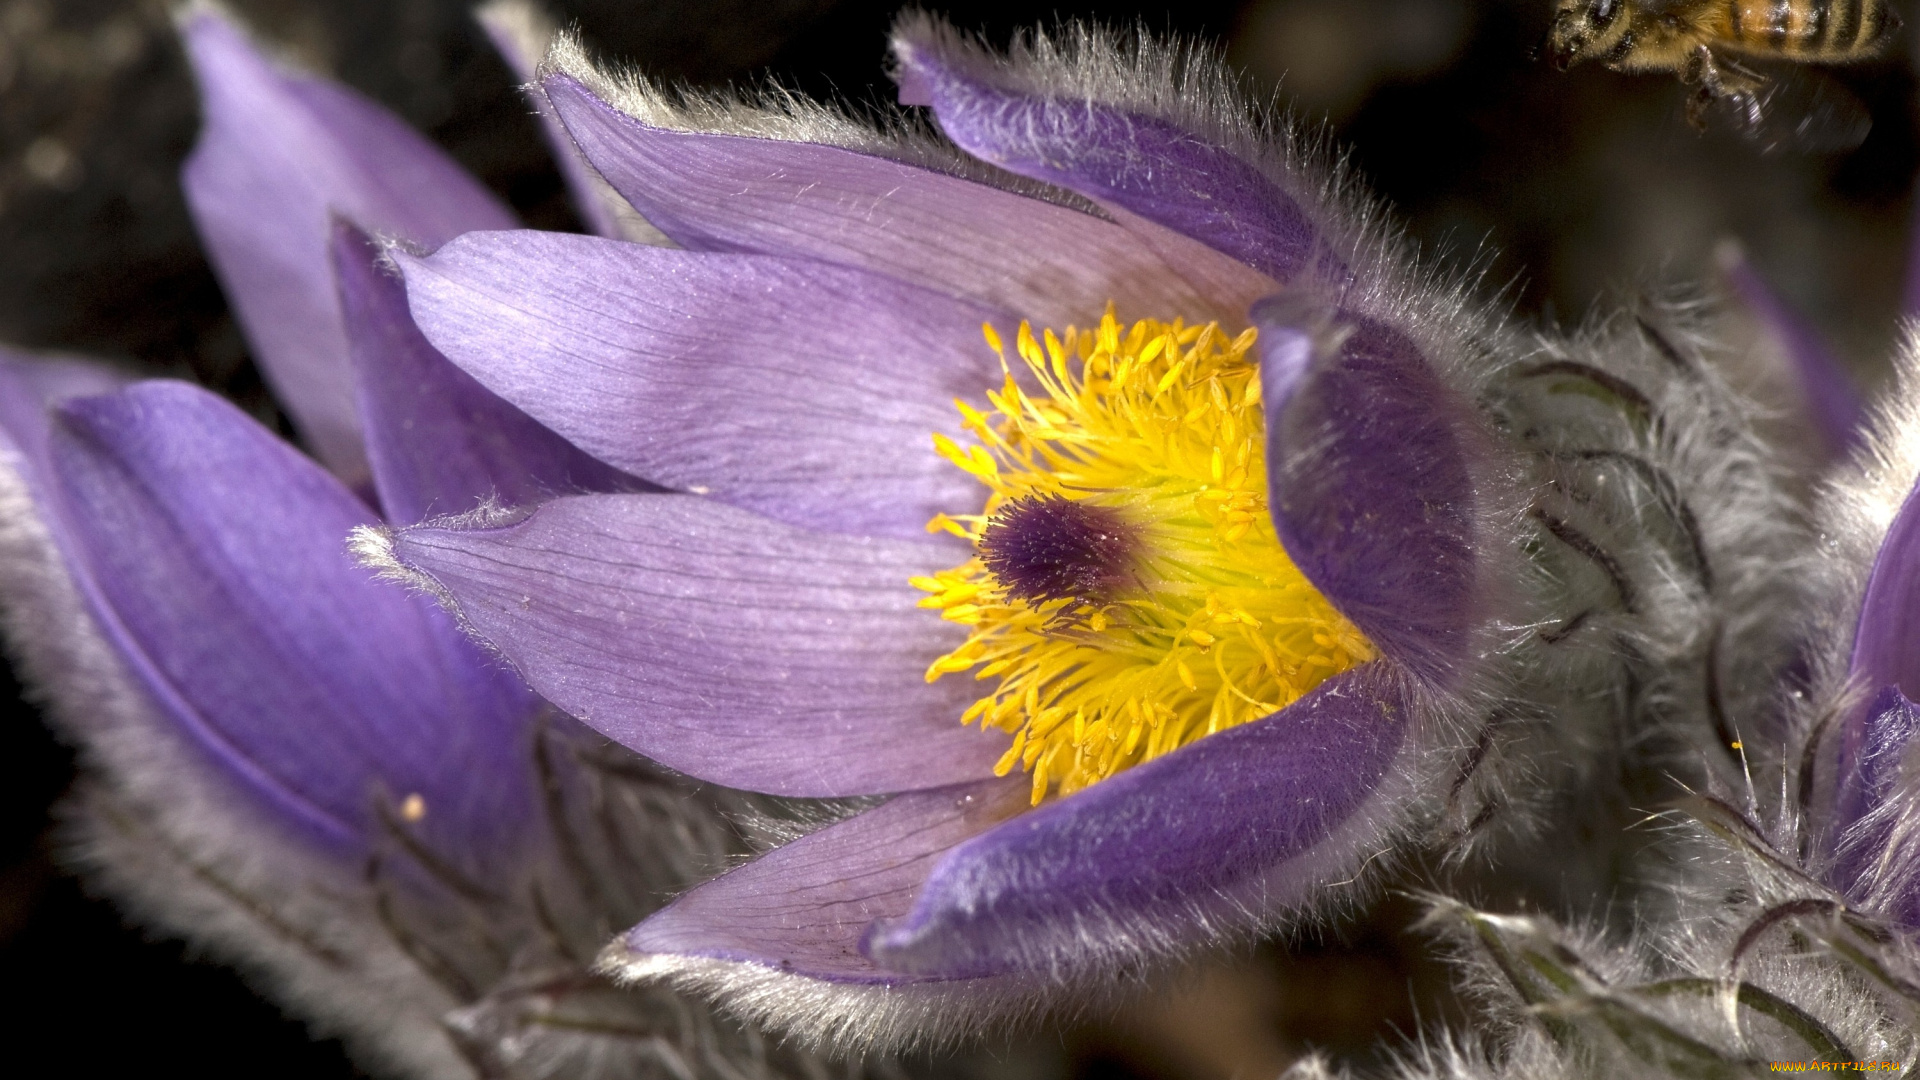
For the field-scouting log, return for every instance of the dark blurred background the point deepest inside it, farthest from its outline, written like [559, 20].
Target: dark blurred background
[1563, 191]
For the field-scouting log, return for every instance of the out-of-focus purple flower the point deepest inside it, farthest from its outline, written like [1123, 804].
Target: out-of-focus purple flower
[318, 775]
[209, 553]
[1835, 413]
[789, 367]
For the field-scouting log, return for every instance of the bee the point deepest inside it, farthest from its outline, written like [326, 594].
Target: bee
[1699, 39]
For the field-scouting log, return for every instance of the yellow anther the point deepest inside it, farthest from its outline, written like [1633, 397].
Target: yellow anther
[965, 590]
[1167, 380]
[1028, 348]
[945, 524]
[1012, 756]
[993, 339]
[971, 418]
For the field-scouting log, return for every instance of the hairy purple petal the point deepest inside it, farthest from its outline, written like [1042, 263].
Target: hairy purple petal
[712, 192]
[1871, 749]
[438, 441]
[1234, 825]
[1834, 404]
[1369, 484]
[803, 391]
[1129, 161]
[279, 155]
[804, 907]
[214, 559]
[1874, 747]
[715, 641]
[1884, 652]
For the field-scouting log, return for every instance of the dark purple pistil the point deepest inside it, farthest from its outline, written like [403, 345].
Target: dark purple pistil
[1047, 547]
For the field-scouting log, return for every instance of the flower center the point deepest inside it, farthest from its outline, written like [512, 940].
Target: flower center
[1127, 590]
[1049, 547]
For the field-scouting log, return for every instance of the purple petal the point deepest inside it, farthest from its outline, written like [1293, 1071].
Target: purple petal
[802, 391]
[1219, 833]
[214, 558]
[1870, 854]
[1833, 402]
[1885, 652]
[804, 907]
[1123, 159]
[1369, 484]
[439, 442]
[280, 154]
[712, 192]
[718, 642]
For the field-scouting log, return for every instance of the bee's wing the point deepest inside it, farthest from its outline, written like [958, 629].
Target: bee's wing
[1797, 110]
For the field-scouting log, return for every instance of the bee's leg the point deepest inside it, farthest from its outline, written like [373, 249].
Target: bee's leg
[1703, 75]
[1737, 78]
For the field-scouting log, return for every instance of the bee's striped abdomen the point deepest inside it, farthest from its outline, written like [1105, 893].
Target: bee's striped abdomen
[1819, 30]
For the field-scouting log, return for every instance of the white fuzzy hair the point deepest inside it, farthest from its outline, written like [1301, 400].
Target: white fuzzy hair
[1861, 500]
[1747, 918]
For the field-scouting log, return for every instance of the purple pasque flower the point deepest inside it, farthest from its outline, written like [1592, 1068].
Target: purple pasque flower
[316, 775]
[1227, 561]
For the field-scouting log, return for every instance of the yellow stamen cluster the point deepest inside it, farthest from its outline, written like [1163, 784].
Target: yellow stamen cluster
[1213, 626]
